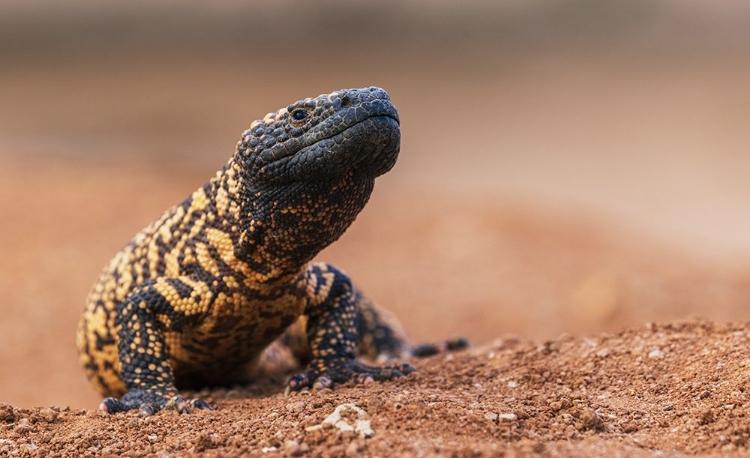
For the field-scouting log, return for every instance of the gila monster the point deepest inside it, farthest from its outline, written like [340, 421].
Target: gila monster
[222, 285]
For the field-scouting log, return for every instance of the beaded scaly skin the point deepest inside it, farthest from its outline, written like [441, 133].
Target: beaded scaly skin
[221, 286]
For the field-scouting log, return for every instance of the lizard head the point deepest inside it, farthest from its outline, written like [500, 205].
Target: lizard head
[323, 138]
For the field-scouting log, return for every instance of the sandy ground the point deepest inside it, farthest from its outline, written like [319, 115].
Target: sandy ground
[670, 390]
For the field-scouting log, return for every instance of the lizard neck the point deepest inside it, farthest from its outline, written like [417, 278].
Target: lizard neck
[280, 229]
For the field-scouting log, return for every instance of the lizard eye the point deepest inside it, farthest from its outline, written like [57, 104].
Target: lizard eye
[299, 115]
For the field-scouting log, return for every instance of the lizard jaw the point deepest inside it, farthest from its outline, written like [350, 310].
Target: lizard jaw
[370, 146]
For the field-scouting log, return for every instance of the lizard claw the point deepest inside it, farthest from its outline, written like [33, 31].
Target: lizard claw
[200, 404]
[111, 405]
[178, 403]
[147, 410]
[324, 381]
[298, 381]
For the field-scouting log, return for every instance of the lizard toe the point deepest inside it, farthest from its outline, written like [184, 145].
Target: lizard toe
[183, 406]
[112, 405]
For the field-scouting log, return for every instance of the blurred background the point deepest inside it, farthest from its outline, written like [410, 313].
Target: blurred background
[566, 166]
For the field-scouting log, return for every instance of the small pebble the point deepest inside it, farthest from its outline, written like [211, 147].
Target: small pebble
[49, 415]
[23, 426]
[7, 414]
[292, 448]
[352, 450]
[296, 406]
[655, 353]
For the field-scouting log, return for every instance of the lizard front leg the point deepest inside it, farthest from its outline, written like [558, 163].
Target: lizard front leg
[332, 334]
[164, 304]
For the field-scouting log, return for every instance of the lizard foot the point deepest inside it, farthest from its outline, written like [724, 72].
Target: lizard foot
[325, 372]
[149, 403]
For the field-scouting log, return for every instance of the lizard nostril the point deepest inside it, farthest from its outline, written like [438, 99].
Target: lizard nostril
[346, 102]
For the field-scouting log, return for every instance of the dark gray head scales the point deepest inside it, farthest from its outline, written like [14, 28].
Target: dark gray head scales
[323, 138]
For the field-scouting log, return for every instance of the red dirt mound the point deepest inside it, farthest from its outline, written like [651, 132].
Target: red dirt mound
[673, 389]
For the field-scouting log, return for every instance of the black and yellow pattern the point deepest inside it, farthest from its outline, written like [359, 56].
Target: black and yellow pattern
[222, 285]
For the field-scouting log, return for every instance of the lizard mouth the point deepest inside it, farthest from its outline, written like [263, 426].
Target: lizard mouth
[370, 118]
[367, 143]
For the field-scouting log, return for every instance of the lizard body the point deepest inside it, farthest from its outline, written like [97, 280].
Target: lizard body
[223, 282]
